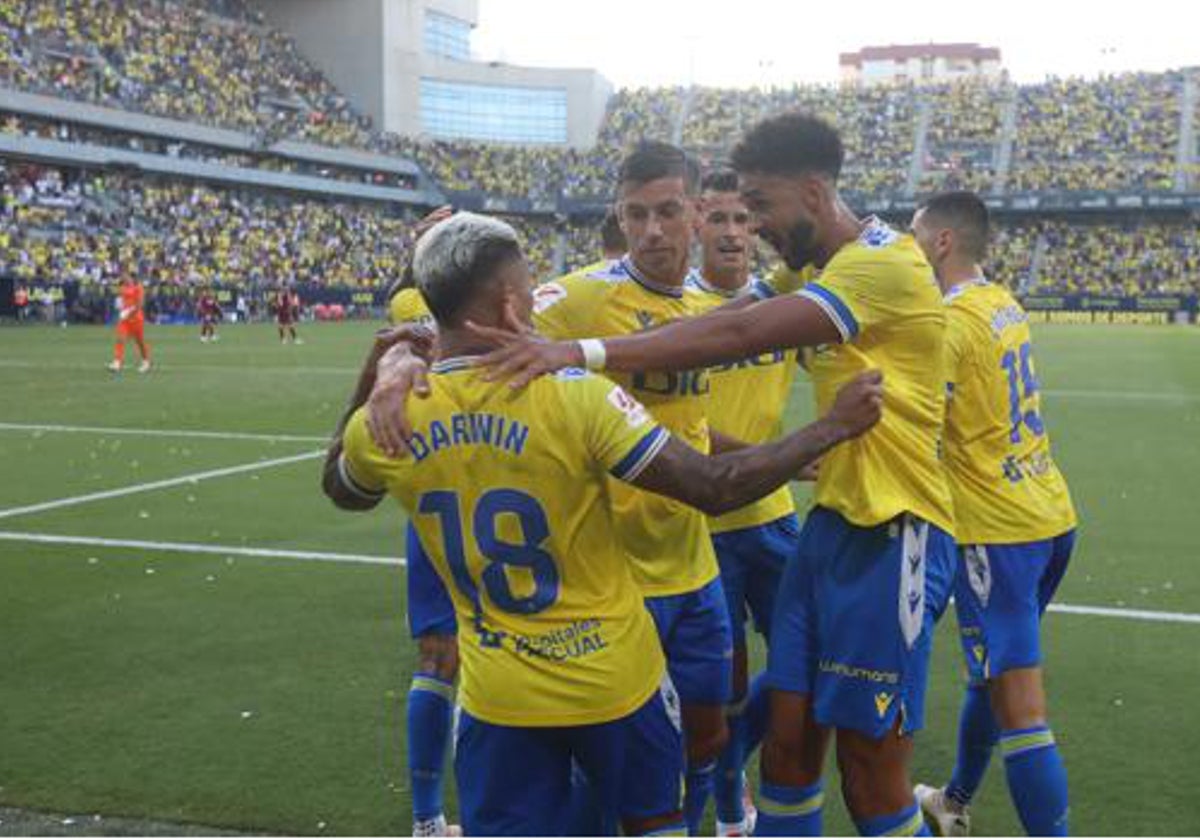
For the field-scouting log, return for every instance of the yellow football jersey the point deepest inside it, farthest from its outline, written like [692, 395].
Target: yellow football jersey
[668, 540]
[512, 489]
[407, 306]
[747, 403]
[1005, 484]
[881, 293]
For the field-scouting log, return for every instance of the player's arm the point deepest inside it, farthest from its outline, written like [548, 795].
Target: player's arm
[717, 484]
[343, 492]
[717, 337]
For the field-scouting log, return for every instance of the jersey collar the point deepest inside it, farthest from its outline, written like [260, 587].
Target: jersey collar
[452, 364]
[960, 287]
[649, 285]
[705, 286]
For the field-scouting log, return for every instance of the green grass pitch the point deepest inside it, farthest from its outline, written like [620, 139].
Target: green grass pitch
[265, 693]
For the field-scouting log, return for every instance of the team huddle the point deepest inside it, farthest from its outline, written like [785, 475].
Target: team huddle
[597, 489]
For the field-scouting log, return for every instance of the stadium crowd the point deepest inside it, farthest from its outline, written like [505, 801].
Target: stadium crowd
[217, 62]
[58, 225]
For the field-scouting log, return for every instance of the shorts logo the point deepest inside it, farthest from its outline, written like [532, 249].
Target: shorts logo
[548, 294]
[979, 572]
[670, 698]
[912, 579]
[883, 702]
[980, 652]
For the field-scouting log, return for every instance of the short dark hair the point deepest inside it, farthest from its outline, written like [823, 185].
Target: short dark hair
[612, 238]
[650, 160]
[967, 215]
[456, 257]
[791, 143]
[721, 179]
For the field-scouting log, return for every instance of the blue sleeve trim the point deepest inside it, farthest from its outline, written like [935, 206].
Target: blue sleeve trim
[631, 466]
[834, 307]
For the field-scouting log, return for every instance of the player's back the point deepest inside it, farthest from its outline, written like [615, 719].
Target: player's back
[881, 293]
[508, 493]
[668, 540]
[1006, 485]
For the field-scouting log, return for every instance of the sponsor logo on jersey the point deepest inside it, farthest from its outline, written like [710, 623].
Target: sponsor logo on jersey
[548, 294]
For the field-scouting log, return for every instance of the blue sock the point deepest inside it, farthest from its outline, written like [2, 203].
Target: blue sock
[906, 823]
[977, 735]
[727, 785]
[1037, 780]
[786, 811]
[696, 789]
[430, 710]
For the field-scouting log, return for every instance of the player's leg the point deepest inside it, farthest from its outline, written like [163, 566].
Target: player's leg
[118, 359]
[727, 784]
[139, 336]
[764, 552]
[512, 781]
[947, 807]
[880, 591]
[696, 636]
[430, 708]
[1023, 580]
[791, 797]
[635, 765]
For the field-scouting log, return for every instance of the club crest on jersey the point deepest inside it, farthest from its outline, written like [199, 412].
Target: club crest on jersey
[548, 294]
[877, 236]
[645, 319]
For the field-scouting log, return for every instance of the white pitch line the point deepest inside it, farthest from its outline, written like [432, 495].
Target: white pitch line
[202, 548]
[194, 433]
[156, 485]
[26, 364]
[1120, 612]
[1069, 393]
[376, 559]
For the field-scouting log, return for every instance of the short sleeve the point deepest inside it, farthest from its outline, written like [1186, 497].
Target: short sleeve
[563, 310]
[362, 467]
[620, 434]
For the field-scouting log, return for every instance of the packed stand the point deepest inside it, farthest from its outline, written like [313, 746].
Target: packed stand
[1122, 258]
[211, 62]
[877, 125]
[59, 225]
[24, 125]
[965, 128]
[1112, 133]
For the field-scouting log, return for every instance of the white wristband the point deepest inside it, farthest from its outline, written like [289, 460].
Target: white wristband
[594, 354]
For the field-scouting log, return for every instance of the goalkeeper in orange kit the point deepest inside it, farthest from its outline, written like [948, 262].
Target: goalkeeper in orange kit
[131, 323]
